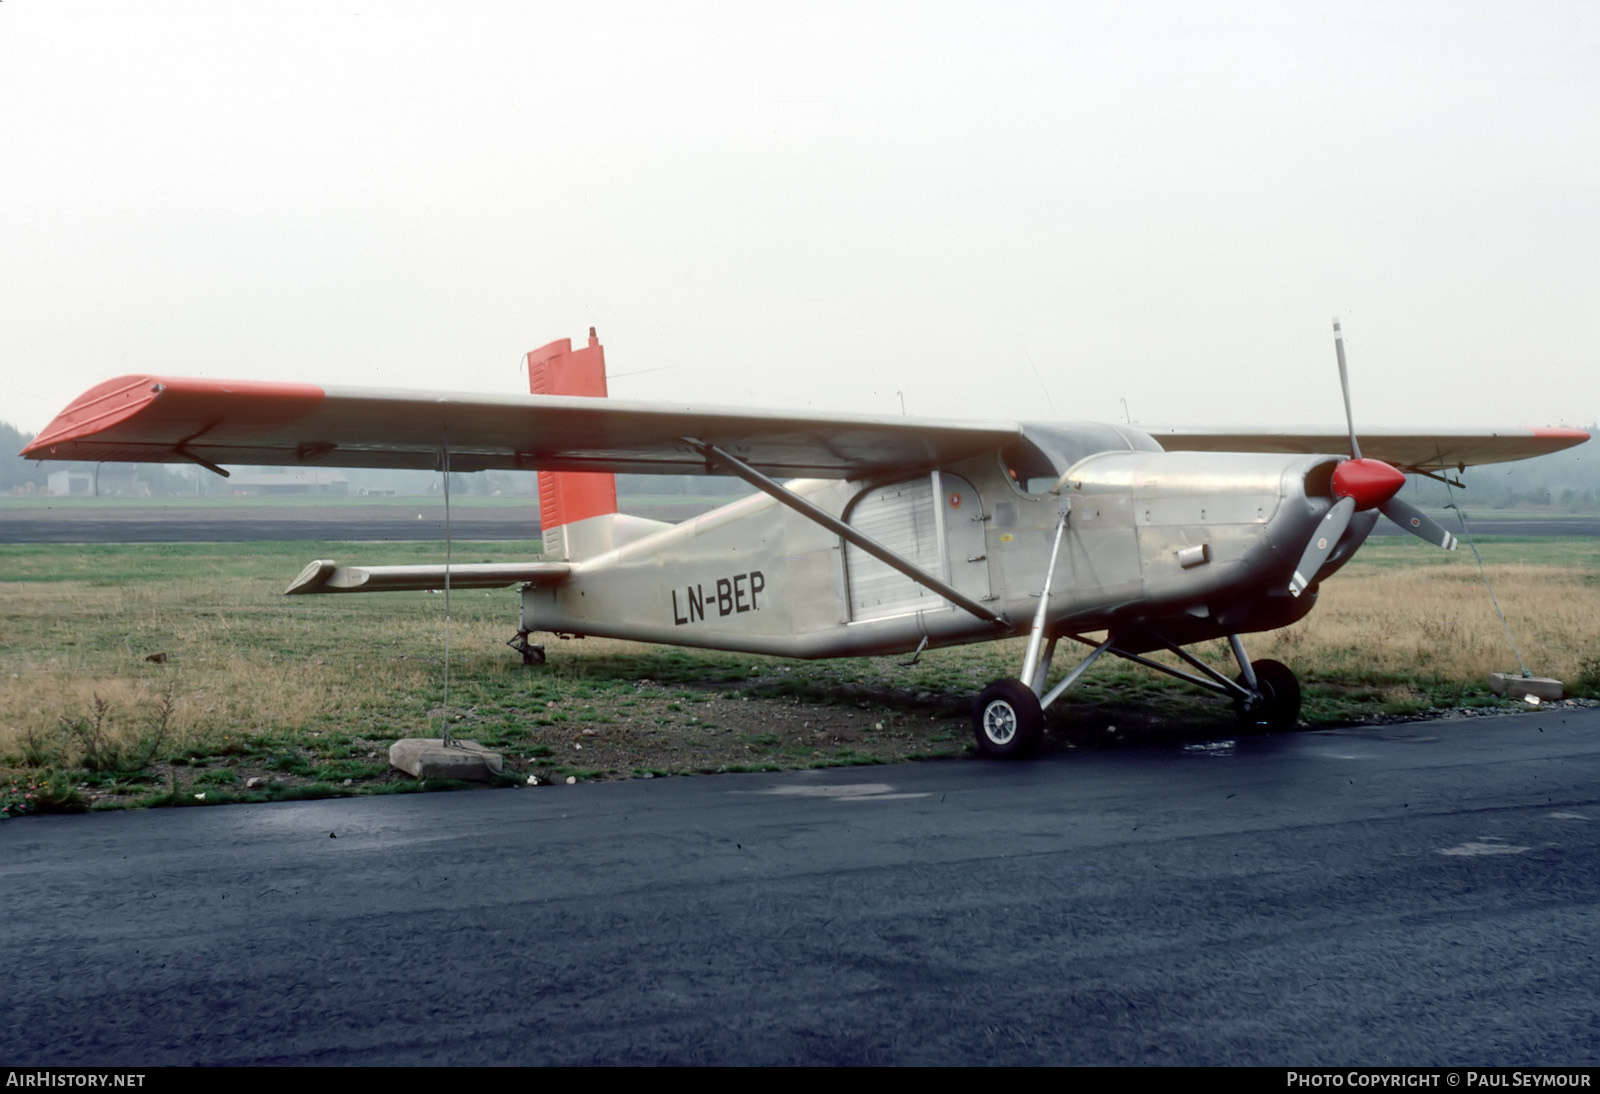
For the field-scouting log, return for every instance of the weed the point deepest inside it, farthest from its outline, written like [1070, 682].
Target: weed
[220, 777]
[41, 792]
[1588, 678]
[336, 771]
[39, 748]
[290, 763]
[98, 745]
[16, 798]
[91, 737]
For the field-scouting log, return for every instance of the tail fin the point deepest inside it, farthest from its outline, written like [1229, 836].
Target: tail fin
[567, 497]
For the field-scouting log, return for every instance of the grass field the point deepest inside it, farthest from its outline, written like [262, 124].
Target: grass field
[159, 673]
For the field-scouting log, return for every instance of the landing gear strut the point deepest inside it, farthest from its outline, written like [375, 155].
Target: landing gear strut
[1008, 719]
[531, 654]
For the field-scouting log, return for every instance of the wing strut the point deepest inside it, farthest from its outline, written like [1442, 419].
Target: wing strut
[183, 450]
[1030, 662]
[833, 524]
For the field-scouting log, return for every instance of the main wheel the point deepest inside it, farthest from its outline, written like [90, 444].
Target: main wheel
[1007, 720]
[1277, 705]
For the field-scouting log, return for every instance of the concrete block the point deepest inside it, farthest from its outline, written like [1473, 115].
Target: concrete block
[430, 758]
[1517, 686]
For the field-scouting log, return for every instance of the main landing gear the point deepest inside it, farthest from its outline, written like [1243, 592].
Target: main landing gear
[1008, 718]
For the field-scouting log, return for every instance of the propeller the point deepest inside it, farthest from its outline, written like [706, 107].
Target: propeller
[1418, 523]
[1360, 484]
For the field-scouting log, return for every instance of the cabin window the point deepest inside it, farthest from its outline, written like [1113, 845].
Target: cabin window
[1027, 468]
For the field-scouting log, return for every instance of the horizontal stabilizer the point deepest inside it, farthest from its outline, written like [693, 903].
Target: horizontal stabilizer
[326, 576]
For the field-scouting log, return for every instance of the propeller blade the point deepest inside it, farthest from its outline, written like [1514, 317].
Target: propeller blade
[1418, 523]
[1344, 382]
[1334, 522]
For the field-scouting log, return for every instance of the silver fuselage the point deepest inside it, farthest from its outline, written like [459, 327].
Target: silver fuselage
[1195, 545]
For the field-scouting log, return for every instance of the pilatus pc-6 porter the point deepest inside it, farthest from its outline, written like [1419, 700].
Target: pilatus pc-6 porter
[868, 535]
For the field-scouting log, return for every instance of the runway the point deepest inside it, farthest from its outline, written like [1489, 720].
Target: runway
[191, 522]
[1406, 895]
[414, 519]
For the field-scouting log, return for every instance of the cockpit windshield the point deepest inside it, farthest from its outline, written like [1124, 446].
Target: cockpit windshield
[1036, 462]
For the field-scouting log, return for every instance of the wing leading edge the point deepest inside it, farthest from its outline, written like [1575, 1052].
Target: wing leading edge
[153, 419]
[1408, 450]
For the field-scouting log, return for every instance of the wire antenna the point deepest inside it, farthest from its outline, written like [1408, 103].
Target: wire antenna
[444, 717]
[1485, 575]
[1051, 403]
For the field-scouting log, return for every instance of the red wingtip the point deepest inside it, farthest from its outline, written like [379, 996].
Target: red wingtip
[99, 408]
[139, 417]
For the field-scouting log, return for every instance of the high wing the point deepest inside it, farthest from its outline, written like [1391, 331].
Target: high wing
[153, 419]
[1407, 450]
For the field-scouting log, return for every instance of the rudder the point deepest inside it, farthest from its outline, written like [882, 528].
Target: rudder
[567, 497]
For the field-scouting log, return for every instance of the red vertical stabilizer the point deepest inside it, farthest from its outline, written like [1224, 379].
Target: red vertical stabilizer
[566, 497]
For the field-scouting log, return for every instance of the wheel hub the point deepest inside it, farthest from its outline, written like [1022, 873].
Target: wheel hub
[1000, 722]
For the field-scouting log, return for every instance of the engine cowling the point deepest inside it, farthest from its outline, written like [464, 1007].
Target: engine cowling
[1206, 541]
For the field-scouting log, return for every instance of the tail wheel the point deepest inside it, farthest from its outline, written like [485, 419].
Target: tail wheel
[1008, 721]
[1277, 701]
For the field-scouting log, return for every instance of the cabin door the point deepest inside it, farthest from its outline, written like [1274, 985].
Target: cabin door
[934, 522]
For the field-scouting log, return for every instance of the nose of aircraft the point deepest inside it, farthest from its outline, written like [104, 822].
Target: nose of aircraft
[1369, 483]
[1360, 484]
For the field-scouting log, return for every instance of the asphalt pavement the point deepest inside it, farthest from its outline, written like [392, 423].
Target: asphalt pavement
[1405, 895]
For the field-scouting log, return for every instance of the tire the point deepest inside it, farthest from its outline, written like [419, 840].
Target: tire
[1278, 705]
[1007, 721]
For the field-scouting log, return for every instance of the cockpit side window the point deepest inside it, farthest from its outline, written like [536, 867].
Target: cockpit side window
[1027, 468]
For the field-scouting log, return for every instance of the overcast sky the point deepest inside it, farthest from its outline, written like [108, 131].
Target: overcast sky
[996, 210]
